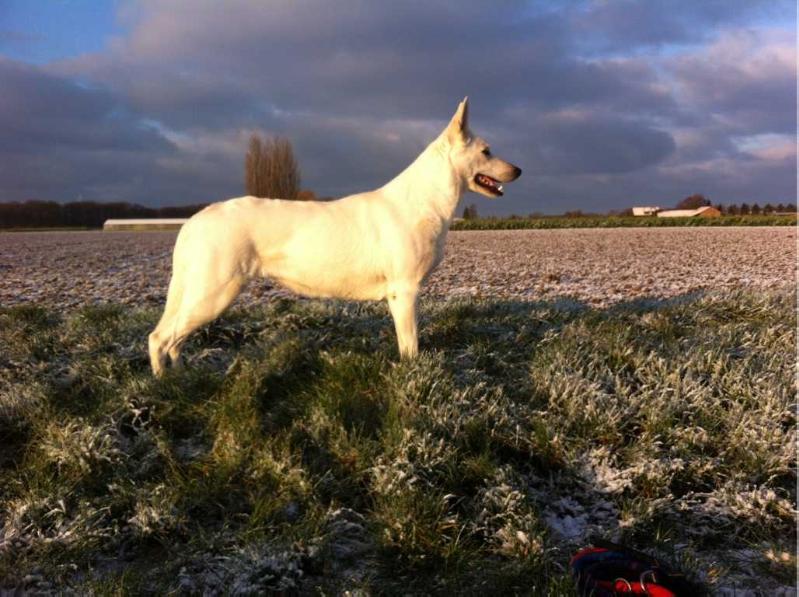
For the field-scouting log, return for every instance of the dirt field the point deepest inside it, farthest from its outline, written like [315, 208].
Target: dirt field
[596, 266]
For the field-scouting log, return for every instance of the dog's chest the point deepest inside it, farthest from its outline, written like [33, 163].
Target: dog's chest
[431, 239]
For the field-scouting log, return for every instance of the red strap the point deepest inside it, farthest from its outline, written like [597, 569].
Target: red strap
[633, 587]
[585, 551]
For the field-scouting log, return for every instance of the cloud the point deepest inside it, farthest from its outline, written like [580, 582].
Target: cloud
[632, 26]
[588, 142]
[41, 111]
[746, 78]
[598, 102]
[358, 58]
[67, 141]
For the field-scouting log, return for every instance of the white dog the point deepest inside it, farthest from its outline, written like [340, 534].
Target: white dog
[370, 246]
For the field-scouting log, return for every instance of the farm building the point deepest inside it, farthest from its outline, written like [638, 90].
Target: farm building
[145, 224]
[702, 212]
[645, 211]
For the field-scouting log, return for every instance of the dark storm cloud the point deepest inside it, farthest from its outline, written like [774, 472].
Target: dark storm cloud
[65, 140]
[412, 60]
[598, 101]
[589, 144]
[39, 112]
[342, 59]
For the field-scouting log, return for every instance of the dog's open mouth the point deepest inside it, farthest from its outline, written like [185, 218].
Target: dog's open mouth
[488, 183]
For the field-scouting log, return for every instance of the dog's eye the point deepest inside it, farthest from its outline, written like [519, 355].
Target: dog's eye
[487, 151]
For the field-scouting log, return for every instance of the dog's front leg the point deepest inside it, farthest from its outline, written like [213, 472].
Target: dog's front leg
[402, 303]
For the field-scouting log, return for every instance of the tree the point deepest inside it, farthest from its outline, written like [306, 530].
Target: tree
[780, 208]
[470, 212]
[791, 208]
[270, 169]
[732, 210]
[768, 208]
[721, 208]
[306, 195]
[756, 209]
[744, 209]
[693, 202]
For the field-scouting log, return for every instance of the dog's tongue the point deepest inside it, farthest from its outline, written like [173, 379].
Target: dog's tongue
[490, 182]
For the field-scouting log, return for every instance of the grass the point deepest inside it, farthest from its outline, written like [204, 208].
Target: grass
[518, 223]
[296, 454]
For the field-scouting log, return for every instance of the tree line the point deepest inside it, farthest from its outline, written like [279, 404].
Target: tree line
[733, 209]
[82, 214]
[744, 209]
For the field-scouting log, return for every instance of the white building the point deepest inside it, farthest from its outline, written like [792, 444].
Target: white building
[702, 212]
[145, 224]
[645, 211]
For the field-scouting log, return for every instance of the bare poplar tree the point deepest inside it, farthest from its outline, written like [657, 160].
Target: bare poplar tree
[252, 162]
[270, 168]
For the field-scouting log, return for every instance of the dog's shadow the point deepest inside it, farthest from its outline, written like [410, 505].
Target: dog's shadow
[290, 341]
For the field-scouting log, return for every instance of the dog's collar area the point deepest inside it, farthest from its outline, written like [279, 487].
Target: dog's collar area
[490, 184]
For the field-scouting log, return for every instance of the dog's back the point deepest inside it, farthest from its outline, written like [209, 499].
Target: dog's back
[324, 249]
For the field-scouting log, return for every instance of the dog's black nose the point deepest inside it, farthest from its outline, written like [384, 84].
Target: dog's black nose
[517, 172]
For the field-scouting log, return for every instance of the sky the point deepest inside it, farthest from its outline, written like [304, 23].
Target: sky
[604, 104]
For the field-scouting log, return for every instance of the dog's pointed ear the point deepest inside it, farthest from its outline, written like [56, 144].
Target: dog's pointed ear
[458, 129]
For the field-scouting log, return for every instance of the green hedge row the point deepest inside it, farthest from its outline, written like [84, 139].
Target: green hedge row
[617, 222]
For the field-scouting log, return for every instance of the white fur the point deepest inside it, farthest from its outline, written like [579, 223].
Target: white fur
[374, 245]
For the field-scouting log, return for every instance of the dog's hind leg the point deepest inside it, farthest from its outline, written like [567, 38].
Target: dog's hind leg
[196, 311]
[159, 336]
[194, 298]
[402, 304]
[157, 353]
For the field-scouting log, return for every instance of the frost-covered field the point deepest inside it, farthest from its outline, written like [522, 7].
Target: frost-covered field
[597, 266]
[295, 454]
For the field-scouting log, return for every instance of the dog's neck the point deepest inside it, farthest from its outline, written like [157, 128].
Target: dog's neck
[430, 185]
